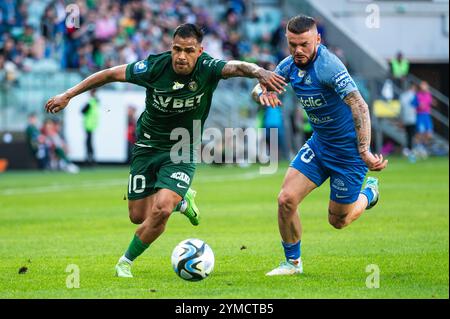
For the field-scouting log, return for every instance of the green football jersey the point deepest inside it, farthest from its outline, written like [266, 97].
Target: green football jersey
[173, 100]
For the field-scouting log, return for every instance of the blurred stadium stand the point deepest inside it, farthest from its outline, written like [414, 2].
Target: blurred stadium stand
[37, 64]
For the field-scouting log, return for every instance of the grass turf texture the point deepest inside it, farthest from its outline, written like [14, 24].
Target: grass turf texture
[51, 220]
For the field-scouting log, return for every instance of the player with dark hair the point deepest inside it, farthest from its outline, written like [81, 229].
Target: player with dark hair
[339, 148]
[180, 84]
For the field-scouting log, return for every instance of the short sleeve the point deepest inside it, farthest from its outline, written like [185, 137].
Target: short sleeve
[283, 68]
[334, 74]
[214, 68]
[139, 72]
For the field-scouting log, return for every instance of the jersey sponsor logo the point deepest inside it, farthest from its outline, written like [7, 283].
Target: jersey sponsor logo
[319, 120]
[301, 73]
[140, 67]
[181, 186]
[181, 177]
[341, 196]
[164, 102]
[341, 79]
[311, 101]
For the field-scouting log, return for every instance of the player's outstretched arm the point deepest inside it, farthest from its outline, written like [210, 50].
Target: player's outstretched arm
[114, 74]
[266, 78]
[361, 119]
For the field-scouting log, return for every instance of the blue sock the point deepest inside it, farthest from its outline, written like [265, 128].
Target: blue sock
[369, 194]
[292, 251]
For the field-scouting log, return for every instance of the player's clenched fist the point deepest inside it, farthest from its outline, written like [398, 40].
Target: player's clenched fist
[57, 103]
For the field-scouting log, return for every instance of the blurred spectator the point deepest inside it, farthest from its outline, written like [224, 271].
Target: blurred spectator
[8, 70]
[424, 123]
[36, 142]
[237, 6]
[57, 147]
[278, 41]
[213, 45]
[408, 116]
[399, 70]
[387, 91]
[91, 115]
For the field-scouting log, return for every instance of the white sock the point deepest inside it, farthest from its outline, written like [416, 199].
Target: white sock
[125, 259]
[296, 262]
[183, 206]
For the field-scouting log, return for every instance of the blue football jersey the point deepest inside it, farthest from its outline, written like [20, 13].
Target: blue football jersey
[320, 88]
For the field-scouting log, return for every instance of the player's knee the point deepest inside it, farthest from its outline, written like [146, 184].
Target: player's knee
[337, 221]
[136, 219]
[286, 203]
[136, 216]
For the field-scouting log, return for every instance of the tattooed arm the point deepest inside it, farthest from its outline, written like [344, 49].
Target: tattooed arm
[266, 78]
[361, 120]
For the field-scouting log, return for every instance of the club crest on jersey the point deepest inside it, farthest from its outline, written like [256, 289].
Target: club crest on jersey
[140, 67]
[177, 85]
[193, 86]
[301, 73]
[339, 185]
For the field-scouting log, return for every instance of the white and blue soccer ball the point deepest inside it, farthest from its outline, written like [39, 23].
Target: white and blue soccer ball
[193, 259]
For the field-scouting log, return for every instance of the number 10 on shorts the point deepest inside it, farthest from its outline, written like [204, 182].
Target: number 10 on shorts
[307, 154]
[136, 184]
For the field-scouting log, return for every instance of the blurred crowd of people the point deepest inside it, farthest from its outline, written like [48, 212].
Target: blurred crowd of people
[91, 35]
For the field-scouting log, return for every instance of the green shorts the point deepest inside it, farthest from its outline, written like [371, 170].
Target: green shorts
[152, 169]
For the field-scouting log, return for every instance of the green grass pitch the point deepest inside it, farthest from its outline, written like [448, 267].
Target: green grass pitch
[51, 220]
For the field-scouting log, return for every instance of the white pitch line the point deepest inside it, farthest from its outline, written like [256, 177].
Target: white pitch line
[55, 188]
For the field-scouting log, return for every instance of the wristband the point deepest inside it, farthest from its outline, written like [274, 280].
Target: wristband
[259, 91]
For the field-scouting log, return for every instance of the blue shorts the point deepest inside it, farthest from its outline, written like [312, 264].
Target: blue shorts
[346, 179]
[424, 124]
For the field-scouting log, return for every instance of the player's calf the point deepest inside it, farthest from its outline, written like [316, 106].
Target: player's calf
[338, 221]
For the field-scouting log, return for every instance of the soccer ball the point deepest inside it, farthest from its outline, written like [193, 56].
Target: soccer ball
[193, 259]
